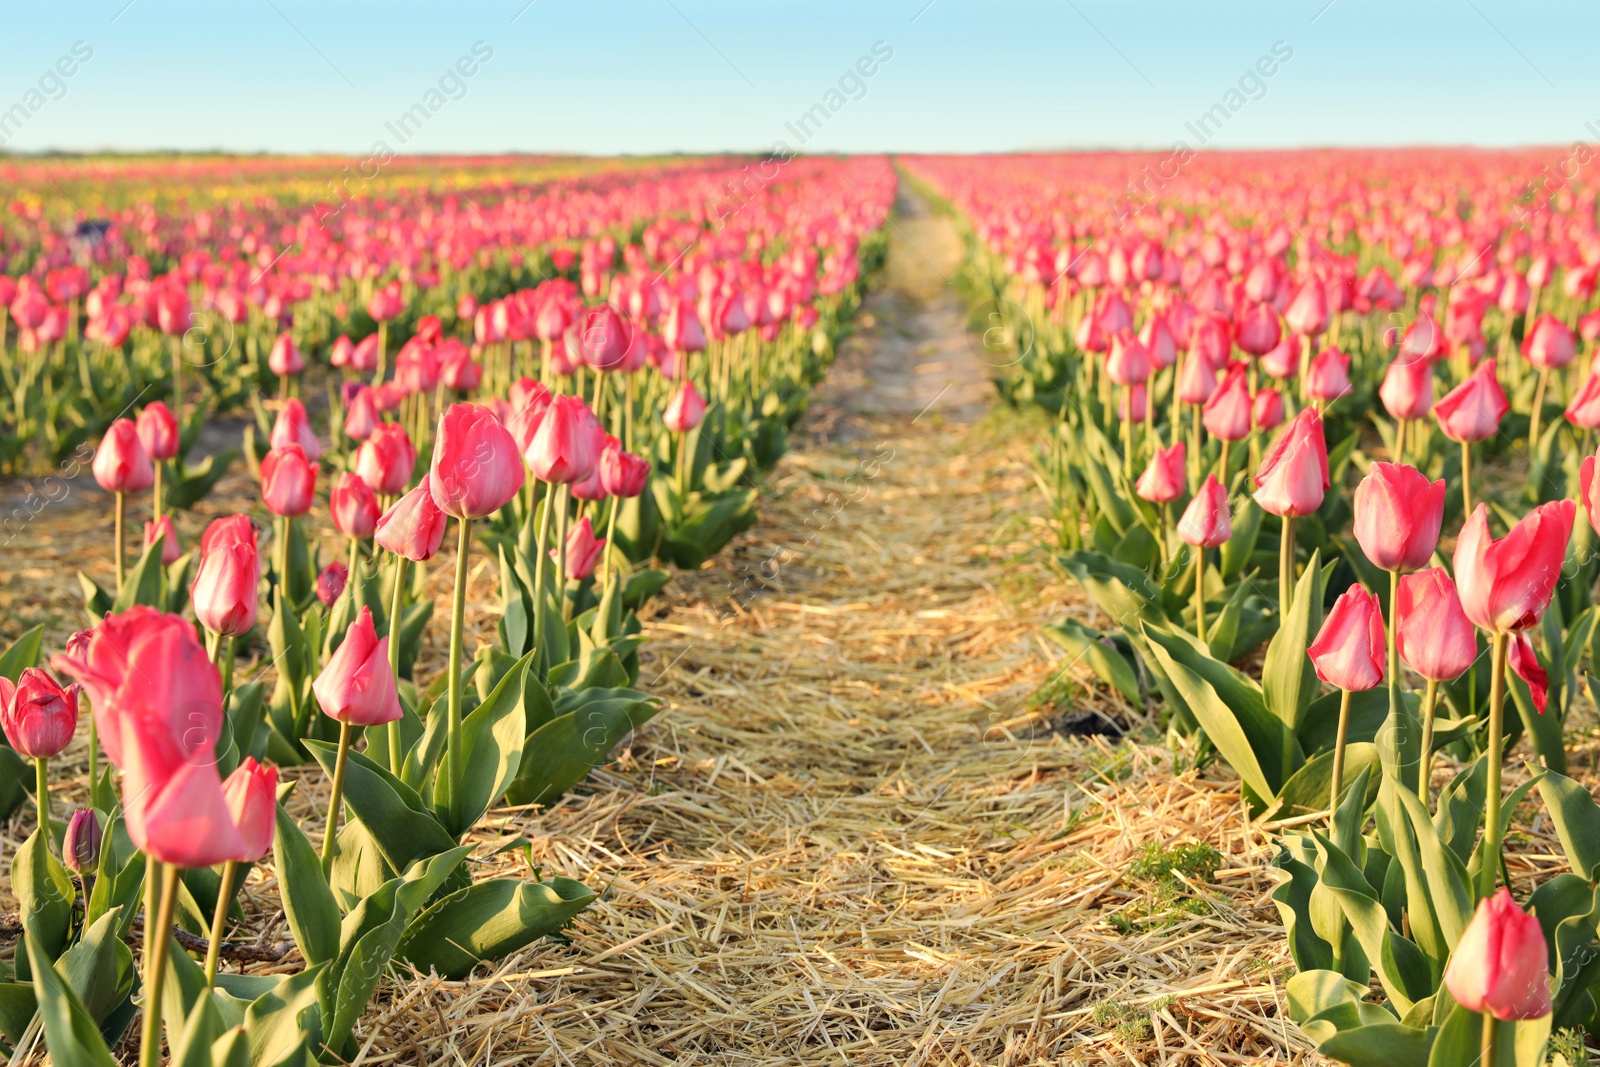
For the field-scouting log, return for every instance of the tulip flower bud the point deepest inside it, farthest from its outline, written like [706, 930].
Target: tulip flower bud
[354, 506]
[1128, 362]
[1294, 474]
[1407, 389]
[39, 716]
[1163, 480]
[1266, 410]
[225, 589]
[1197, 381]
[1398, 513]
[1207, 521]
[251, 793]
[1584, 410]
[567, 443]
[1227, 414]
[158, 432]
[413, 526]
[331, 581]
[357, 685]
[1307, 313]
[1472, 410]
[361, 416]
[476, 469]
[1258, 331]
[288, 481]
[1349, 650]
[1589, 491]
[1500, 965]
[623, 474]
[1134, 403]
[293, 427]
[285, 359]
[685, 410]
[170, 548]
[1328, 377]
[583, 550]
[1433, 635]
[1524, 663]
[80, 848]
[387, 459]
[1549, 345]
[1505, 585]
[339, 353]
[121, 465]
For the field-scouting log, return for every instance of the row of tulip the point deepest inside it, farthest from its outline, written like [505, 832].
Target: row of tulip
[1282, 269]
[649, 414]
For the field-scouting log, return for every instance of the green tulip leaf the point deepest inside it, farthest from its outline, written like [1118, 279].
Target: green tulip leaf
[488, 921]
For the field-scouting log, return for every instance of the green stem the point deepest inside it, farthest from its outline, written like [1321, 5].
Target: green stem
[1486, 1056]
[41, 768]
[1538, 409]
[219, 920]
[1466, 478]
[454, 755]
[1391, 632]
[117, 549]
[1499, 646]
[540, 561]
[611, 537]
[1286, 567]
[156, 968]
[1338, 753]
[331, 834]
[283, 556]
[396, 602]
[1199, 592]
[156, 489]
[1430, 701]
[561, 549]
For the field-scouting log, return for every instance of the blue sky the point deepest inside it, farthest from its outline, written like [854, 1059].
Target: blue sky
[707, 75]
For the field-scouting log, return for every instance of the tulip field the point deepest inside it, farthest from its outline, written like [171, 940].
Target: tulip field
[865, 609]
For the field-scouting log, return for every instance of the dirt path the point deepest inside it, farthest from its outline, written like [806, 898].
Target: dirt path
[853, 838]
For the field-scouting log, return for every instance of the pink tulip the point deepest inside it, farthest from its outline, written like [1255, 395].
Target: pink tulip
[567, 444]
[1584, 411]
[1134, 404]
[157, 700]
[1294, 474]
[413, 526]
[39, 716]
[1549, 345]
[362, 417]
[1500, 965]
[1407, 389]
[293, 427]
[476, 469]
[1258, 330]
[686, 410]
[1349, 650]
[1434, 636]
[583, 550]
[288, 481]
[1589, 491]
[251, 793]
[1163, 480]
[1398, 513]
[1328, 377]
[623, 474]
[357, 686]
[1207, 522]
[1197, 381]
[1472, 410]
[354, 506]
[170, 548]
[1128, 362]
[158, 432]
[387, 459]
[331, 581]
[1266, 410]
[285, 359]
[224, 593]
[1307, 313]
[121, 465]
[1227, 415]
[1506, 584]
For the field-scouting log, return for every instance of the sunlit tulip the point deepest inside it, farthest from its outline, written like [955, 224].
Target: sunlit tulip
[1472, 410]
[1398, 513]
[1407, 389]
[1207, 521]
[1163, 480]
[251, 792]
[39, 716]
[476, 468]
[1328, 377]
[354, 506]
[285, 359]
[1266, 410]
[171, 550]
[288, 481]
[293, 427]
[80, 848]
[685, 410]
[1506, 584]
[1294, 473]
[357, 685]
[224, 593]
[1500, 965]
[1349, 649]
[158, 431]
[331, 581]
[583, 550]
[1434, 636]
[413, 526]
[386, 460]
[121, 465]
